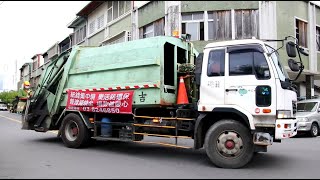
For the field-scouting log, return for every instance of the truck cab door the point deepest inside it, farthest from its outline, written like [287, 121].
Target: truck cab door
[249, 83]
[212, 79]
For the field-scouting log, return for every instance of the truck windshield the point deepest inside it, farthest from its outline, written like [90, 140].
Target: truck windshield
[283, 75]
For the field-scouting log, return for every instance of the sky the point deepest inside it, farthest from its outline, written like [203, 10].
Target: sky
[31, 27]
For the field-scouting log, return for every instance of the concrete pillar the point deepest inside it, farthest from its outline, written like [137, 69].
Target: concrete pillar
[312, 38]
[134, 24]
[268, 21]
[309, 86]
[172, 17]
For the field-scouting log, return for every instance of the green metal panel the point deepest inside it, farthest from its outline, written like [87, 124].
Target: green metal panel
[154, 10]
[138, 62]
[96, 39]
[122, 25]
[286, 13]
[193, 6]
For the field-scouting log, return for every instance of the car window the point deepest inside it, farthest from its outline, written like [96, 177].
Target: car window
[307, 107]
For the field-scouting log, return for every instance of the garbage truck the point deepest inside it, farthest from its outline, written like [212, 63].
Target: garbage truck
[233, 99]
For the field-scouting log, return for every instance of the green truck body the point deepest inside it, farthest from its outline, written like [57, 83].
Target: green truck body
[120, 66]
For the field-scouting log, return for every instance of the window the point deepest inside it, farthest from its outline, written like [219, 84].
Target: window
[261, 66]
[240, 63]
[34, 65]
[92, 27]
[216, 63]
[153, 29]
[246, 24]
[116, 9]
[318, 37]
[121, 7]
[109, 11]
[119, 38]
[219, 25]
[248, 62]
[301, 32]
[80, 34]
[263, 96]
[100, 22]
[193, 23]
[148, 31]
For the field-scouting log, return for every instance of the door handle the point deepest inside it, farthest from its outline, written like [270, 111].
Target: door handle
[227, 90]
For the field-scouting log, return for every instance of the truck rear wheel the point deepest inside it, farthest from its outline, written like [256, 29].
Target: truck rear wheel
[229, 144]
[74, 133]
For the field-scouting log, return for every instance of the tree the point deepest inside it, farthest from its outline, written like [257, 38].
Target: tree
[8, 96]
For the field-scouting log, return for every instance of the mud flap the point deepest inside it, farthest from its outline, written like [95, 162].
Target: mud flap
[21, 106]
[25, 123]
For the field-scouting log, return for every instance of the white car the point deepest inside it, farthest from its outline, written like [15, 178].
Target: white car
[308, 116]
[3, 107]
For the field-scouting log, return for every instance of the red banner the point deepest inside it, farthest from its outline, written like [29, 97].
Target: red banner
[115, 102]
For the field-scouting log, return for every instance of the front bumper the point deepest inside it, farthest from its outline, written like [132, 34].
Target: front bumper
[304, 126]
[286, 128]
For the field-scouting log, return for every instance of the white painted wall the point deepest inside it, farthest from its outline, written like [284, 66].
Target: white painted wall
[101, 10]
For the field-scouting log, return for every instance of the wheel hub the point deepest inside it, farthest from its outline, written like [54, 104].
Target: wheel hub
[229, 144]
[72, 131]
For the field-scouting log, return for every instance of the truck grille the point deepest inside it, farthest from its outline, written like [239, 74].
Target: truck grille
[294, 107]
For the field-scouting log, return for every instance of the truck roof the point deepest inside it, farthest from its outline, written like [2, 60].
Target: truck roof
[233, 42]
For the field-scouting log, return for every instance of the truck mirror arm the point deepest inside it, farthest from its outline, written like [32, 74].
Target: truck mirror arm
[301, 67]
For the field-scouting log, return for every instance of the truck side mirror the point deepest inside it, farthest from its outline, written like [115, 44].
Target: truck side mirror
[291, 49]
[293, 65]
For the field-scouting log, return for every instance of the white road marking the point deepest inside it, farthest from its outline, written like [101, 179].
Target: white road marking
[15, 120]
[10, 119]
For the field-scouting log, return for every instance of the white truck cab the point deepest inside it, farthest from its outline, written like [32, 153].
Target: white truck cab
[246, 76]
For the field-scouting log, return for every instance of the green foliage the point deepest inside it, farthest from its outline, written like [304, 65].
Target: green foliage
[8, 97]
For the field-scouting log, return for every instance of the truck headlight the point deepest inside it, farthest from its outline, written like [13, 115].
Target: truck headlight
[283, 114]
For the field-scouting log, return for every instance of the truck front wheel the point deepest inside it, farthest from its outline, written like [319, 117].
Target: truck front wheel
[74, 133]
[229, 144]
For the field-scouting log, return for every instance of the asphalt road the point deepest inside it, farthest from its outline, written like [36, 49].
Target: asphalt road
[33, 155]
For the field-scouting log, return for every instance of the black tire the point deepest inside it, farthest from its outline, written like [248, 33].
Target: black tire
[234, 132]
[314, 130]
[75, 133]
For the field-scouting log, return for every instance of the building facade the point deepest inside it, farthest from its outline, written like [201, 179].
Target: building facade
[208, 21]
[25, 73]
[102, 23]
[37, 63]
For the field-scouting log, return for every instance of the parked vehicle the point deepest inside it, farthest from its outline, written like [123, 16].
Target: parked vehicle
[308, 116]
[3, 107]
[234, 99]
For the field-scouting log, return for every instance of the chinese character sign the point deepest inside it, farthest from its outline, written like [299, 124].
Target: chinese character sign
[119, 102]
